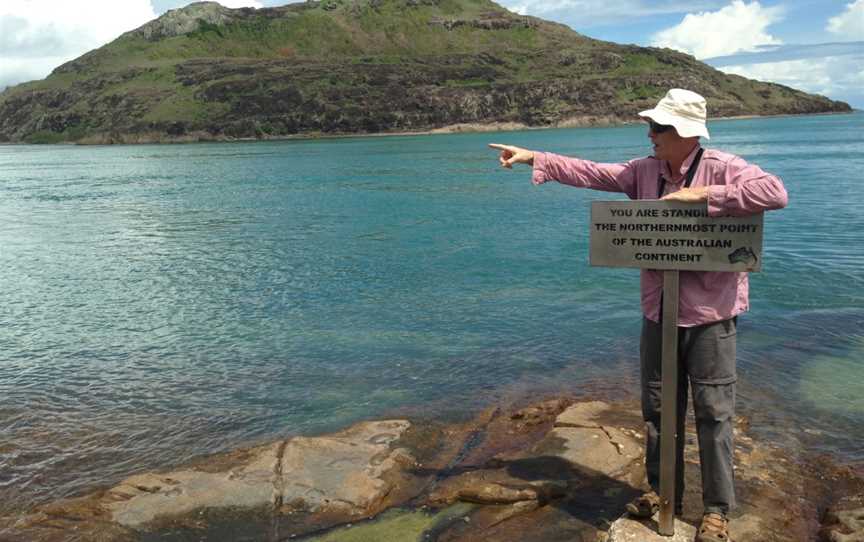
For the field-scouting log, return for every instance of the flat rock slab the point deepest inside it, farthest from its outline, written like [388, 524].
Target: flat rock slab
[343, 472]
[581, 439]
[585, 414]
[597, 451]
[143, 498]
[626, 529]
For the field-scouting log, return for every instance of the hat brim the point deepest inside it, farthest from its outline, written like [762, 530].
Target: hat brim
[684, 127]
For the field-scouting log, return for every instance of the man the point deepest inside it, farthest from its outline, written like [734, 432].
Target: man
[681, 170]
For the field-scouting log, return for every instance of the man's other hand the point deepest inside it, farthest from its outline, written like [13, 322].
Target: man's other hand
[688, 195]
[513, 155]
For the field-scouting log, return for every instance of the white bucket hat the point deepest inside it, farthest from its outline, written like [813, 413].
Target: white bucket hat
[683, 109]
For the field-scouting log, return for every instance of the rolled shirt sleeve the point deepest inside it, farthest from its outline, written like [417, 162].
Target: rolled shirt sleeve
[745, 190]
[584, 173]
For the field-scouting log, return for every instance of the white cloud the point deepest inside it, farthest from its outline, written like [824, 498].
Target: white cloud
[734, 28]
[850, 23]
[587, 13]
[240, 3]
[778, 53]
[839, 77]
[36, 36]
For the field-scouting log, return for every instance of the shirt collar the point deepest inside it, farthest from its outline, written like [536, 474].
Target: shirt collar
[685, 165]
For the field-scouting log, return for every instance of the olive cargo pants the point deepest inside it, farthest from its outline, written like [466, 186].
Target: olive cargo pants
[706, 360]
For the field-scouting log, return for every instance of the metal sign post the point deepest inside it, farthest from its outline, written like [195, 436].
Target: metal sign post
[669, 405]
[673, 237]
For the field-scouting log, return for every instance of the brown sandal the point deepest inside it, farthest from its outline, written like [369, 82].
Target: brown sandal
[714, 528]
[648, 504]
[644, 506]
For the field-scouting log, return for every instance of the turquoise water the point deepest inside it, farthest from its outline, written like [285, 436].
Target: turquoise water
[161, 302]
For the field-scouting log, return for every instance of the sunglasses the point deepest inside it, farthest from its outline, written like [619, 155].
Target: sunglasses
[658, 128]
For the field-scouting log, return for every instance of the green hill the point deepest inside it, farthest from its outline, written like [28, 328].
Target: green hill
[360, 66]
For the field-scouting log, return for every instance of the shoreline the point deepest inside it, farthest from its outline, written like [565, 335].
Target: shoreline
[442, 411]
[532, 471]
[801, 439]
[588, 121]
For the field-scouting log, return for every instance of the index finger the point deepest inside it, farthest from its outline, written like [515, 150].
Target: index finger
[501, 147]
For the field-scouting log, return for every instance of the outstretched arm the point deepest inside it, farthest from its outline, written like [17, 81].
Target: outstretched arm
[572, 171]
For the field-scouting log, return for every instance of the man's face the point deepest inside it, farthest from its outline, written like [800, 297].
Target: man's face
[666, 141]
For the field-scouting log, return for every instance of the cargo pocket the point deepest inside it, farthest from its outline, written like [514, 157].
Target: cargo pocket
[712, 372]
[713, 400]
[728, 328]
[712, 359]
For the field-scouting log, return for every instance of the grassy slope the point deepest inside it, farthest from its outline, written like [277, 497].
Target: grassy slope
[144, 80]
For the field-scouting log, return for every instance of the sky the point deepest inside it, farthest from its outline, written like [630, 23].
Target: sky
[812, 45]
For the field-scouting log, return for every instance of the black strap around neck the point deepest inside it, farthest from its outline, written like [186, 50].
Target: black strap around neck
[688, 177]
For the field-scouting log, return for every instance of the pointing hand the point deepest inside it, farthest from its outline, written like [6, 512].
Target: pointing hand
[513, 155]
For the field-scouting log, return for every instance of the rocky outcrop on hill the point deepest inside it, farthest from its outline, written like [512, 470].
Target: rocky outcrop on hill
[551, 472]
[361, 66]
[177, 22]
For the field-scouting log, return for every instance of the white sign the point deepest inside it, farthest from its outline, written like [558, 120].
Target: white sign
[656, 234]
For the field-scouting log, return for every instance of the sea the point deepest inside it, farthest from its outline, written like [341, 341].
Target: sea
[162, 302]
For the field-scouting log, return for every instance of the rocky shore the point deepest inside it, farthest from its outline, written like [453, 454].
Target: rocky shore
[588, 121]
[557, 470]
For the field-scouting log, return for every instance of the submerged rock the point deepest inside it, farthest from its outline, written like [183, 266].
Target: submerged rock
[844, 521]
[555, 471]
[397, 525]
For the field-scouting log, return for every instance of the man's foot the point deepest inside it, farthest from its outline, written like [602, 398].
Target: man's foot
[648, 504]
[644, 506]
[714, 528]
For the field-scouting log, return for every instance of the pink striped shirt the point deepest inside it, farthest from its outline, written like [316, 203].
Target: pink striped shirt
[735, 188]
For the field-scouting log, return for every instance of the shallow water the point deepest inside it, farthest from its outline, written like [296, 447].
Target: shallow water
[165, 301]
